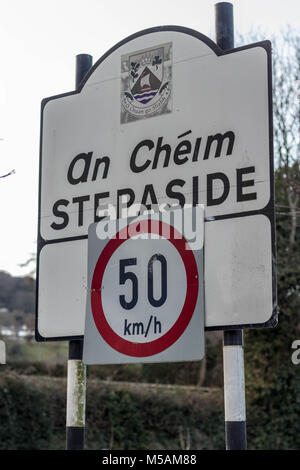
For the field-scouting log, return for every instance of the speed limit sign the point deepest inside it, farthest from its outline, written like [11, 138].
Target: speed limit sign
[145, 289]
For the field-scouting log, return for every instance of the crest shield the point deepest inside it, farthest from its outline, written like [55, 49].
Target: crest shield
[146, 74]
[146, 83]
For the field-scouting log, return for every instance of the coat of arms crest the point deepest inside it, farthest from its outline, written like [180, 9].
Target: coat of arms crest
[146, 83]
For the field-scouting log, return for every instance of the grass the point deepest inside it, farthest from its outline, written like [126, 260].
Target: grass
[30, 351]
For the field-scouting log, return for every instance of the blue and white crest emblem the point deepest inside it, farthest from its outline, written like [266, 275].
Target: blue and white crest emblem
[146, 83]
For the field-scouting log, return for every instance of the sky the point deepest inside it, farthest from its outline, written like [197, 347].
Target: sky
[39, 40]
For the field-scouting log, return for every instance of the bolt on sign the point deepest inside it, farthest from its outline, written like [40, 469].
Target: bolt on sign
[165, 118]
[145, 289]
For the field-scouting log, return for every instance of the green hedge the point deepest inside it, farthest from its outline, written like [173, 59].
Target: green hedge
[32, 415]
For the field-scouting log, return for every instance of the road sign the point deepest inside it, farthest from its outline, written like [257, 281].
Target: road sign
[164, 117]
[145, 292]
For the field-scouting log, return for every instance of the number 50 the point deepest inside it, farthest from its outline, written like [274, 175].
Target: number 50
[124, 276]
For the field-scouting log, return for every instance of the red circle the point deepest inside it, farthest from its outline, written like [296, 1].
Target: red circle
[160, 344]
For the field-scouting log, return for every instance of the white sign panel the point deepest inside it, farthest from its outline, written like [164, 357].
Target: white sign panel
[145, 290]
[164, 118]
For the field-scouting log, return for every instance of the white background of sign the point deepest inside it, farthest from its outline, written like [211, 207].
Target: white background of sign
[210, 94]
[90, 121]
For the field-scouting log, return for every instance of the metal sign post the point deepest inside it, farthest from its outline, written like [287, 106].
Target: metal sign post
[2, 352]
[233, 354]
[76, 384]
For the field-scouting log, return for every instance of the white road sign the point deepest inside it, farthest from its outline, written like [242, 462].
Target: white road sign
[145, 290]
[163, 118]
